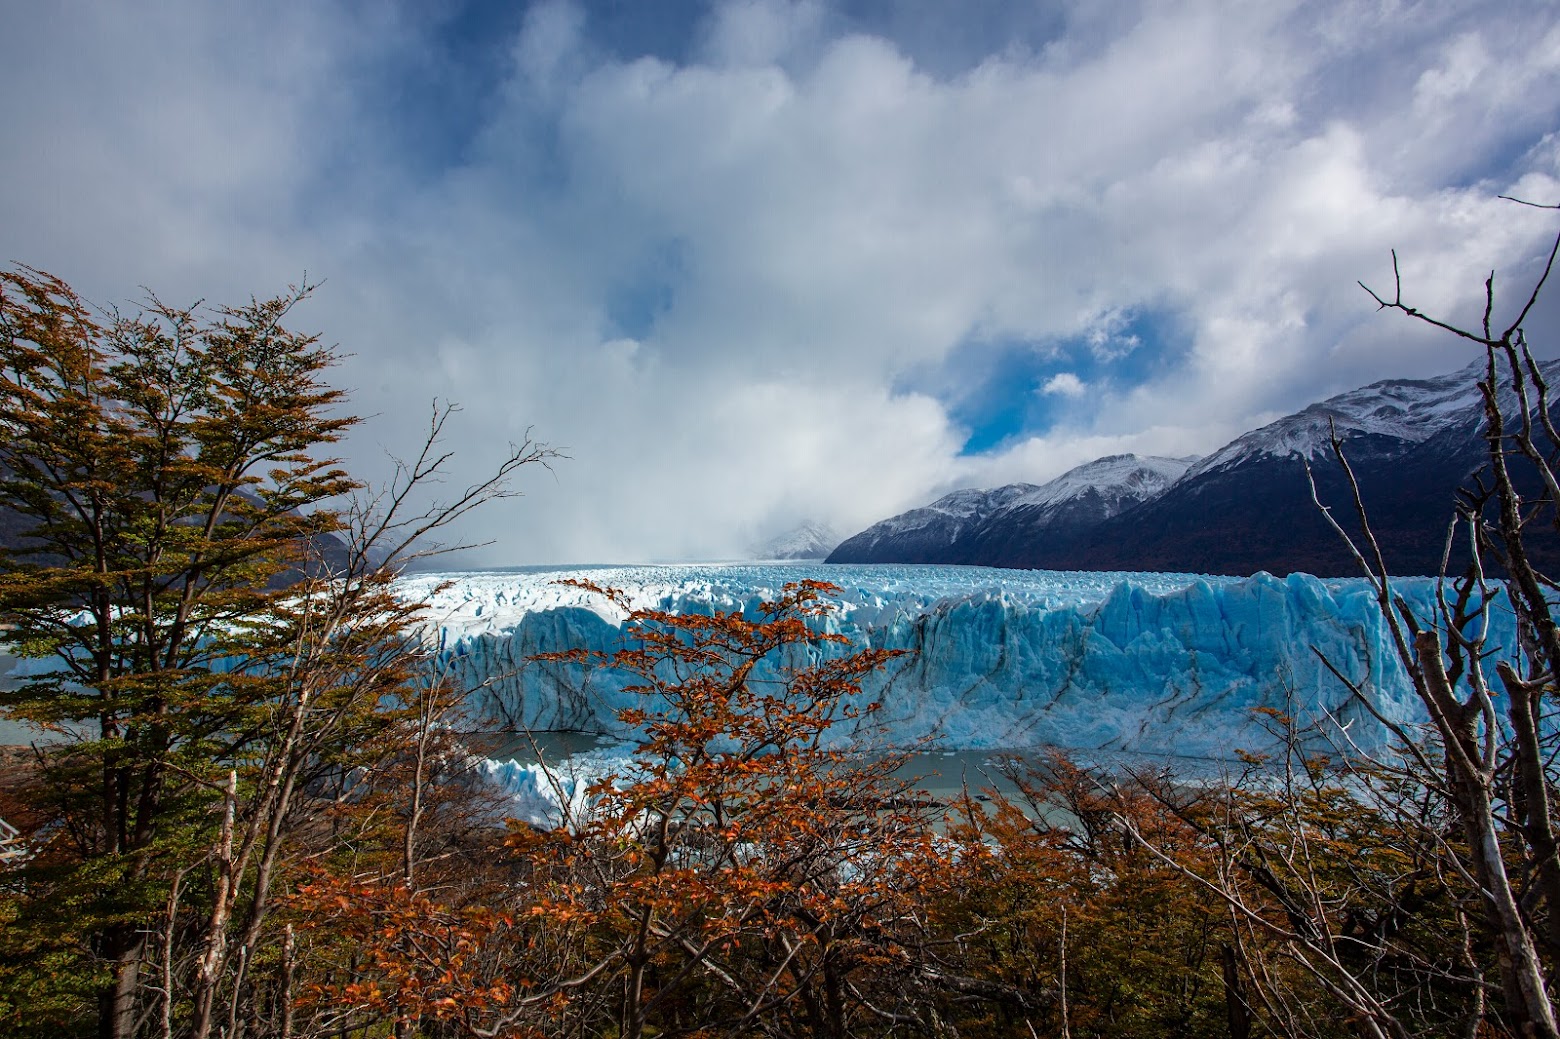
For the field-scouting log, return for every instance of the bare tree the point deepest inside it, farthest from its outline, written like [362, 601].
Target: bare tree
[1418, 890]
[352, 675]
[1496, 775]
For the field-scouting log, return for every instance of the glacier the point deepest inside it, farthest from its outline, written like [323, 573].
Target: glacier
[1165, 664]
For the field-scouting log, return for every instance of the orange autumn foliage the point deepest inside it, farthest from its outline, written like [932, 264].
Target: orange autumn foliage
[748, 865]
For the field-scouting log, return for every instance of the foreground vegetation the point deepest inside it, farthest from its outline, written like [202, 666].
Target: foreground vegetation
[259, 819]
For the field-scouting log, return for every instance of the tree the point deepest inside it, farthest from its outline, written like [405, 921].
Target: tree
[1076, 927]
[1421, 889]
[748, 853]
[745, 873]
[1334, 878]
[214, 636]
[1498, 778]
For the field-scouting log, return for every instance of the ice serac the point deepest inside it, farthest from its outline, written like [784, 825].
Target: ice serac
[1148, 662]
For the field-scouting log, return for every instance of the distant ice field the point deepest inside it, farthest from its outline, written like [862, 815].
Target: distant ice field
[490, 600]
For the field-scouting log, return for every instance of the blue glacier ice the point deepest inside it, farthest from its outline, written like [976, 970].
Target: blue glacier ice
[1159, 663]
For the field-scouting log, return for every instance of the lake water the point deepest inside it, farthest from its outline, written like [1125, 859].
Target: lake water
[539, 771]
[14, 733]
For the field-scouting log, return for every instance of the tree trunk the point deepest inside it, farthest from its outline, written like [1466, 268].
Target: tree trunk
[116, 1000]
[208, 972]
[1533, 785]
[833, 996]
[1522, 975]
[1237, 1011]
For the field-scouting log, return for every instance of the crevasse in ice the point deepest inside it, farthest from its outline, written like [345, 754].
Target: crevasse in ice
[1158, 663]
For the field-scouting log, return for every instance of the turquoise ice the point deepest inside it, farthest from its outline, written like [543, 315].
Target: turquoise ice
[1159, 663]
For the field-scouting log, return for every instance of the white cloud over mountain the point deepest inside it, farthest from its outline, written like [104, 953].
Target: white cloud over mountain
[713, 278]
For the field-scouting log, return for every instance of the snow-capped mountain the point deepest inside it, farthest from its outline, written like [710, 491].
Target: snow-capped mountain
[1117, 481]
[933, 534]
[1247, 507]
[1407, 410]
[808, 541]
[958, 527]
[1076, 502]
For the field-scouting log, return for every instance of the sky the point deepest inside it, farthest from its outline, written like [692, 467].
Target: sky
[757, 263]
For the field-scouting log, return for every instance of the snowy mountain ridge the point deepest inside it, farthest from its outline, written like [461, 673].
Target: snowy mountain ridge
[807, 541]
[1246, 507]
[1409, 410]
[951, 514]
[1116, 479]
[1087, 493]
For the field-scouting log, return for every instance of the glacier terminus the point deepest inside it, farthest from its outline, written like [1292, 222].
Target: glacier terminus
[1164, 664]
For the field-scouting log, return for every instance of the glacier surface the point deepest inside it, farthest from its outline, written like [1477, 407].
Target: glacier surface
[1168, 664]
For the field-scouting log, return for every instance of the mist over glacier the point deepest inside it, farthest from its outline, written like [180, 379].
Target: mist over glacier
[1170, 664]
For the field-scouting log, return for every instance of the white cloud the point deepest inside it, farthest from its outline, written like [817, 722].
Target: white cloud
[762, 32]
[1064, 384]
[1465, 62]
[800, 217]
[548, 48]
[1107, 336]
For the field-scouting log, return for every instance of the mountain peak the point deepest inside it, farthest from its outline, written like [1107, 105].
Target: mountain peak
[1249, 506]
[805, 541]
[1123, 478]
[957, 524]
[1407, 410]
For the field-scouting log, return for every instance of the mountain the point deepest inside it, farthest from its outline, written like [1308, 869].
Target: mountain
[1404, 411]
[970, 526]
[1247, 507]
[1065, 510]
[808, 541]
[942, 532]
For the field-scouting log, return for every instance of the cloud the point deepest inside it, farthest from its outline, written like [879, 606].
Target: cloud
[550, 43]
[1064, 384]
[1108, 337]
[709, 274]
[761, 32]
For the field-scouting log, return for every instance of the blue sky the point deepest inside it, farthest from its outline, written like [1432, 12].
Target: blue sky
[763, 262]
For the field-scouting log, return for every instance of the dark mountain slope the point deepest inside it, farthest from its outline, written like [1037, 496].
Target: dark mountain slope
[1247, 507]
[957, 528]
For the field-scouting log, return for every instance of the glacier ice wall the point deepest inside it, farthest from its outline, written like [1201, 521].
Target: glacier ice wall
[1169, 664]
